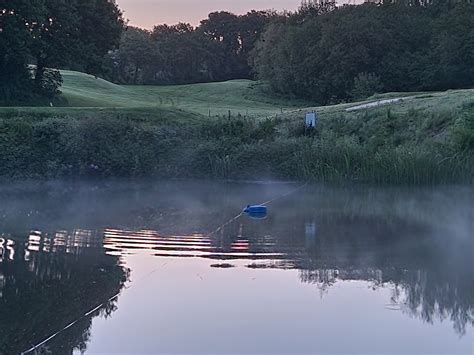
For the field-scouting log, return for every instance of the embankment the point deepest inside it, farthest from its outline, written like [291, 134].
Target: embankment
[383, 145]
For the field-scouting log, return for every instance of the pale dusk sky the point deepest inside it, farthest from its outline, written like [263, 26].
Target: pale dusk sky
[147, 13]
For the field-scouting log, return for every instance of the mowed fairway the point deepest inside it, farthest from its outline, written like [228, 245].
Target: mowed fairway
[238, 96]
[243, 97]
[90, 96]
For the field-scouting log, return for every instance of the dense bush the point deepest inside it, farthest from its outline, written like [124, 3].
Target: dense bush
[337, 54]
[116, 145]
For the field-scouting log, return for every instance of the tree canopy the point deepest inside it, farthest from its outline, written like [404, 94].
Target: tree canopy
[336, 54]
[216, 50]
[38, 35]
[321, 52]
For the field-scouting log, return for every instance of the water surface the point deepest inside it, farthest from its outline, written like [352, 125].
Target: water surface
[329, 270]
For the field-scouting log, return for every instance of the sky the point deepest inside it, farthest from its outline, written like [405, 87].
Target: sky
[147, 13]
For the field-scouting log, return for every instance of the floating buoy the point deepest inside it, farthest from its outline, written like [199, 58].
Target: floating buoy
[256, 211]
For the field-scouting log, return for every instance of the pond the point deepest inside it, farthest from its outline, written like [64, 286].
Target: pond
[175, 267]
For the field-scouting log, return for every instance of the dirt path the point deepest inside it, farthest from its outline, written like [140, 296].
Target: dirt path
[377, 103]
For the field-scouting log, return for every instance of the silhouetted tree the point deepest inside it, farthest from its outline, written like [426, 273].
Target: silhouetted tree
[53, 34]
[319, 54]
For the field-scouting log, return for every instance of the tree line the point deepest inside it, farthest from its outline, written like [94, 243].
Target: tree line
[331, 54]
[320, 52]
[37, 35]
[216, 50]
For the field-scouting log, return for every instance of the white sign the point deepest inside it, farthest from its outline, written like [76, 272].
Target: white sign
[310, 120]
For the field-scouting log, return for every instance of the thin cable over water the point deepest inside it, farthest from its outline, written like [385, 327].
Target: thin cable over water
[283, 195]
[233, 219]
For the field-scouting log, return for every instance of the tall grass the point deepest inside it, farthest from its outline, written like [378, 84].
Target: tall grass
[236, 147]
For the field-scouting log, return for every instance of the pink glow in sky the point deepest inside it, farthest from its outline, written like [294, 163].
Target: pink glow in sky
[147, 13]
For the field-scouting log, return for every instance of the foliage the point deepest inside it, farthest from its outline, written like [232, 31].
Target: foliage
[216, 50]
[51, 81]
[464, 130]
[365, 85]
[320, 54]
[57, 288]
[378, 146]
[136, 52]
[37, 35]
[15, 84]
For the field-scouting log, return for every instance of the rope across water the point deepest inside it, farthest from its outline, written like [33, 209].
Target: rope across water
[233, 219]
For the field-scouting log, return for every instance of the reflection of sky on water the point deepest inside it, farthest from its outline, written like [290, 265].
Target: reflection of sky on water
[242, 310]
[266, 283]
[318, 269]
[120, 242]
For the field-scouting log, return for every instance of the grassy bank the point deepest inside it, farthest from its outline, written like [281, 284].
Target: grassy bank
[151, 143]
[427, 138]
[243, 97]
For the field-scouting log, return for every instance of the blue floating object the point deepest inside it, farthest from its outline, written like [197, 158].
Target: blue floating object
[256, 210]
[257, 215]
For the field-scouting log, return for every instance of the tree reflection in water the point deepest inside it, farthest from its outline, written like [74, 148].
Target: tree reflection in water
[429, 279]
[416, 242]
[425, 294]
[48, 281]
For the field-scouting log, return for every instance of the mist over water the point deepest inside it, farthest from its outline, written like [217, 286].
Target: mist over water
[386, 269]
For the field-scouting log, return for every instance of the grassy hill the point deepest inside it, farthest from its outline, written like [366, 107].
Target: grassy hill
[113, 130]
[239, 96]
[244, 97]
[87, 94]
[415, 118]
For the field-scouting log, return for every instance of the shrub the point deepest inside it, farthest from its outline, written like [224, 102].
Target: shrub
[365, 85]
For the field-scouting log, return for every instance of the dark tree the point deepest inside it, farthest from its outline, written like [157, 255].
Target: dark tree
[101, 25]
[335, 54]
[183, 54]
[217, 50]
[16, 17]
[137, 52]
[52, 34]
[223, 29]
[235, 36]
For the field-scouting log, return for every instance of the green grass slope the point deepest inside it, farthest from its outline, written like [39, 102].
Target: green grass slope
[428, 102]
[239, 96]
[244, 97]
[419, 119]
[164, 131]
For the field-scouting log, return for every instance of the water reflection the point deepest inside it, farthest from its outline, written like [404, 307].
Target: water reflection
[49, 280]
[415, 245]
[123, 242]
[435, 284]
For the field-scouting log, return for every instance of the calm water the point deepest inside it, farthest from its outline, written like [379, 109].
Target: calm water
[330, 270]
